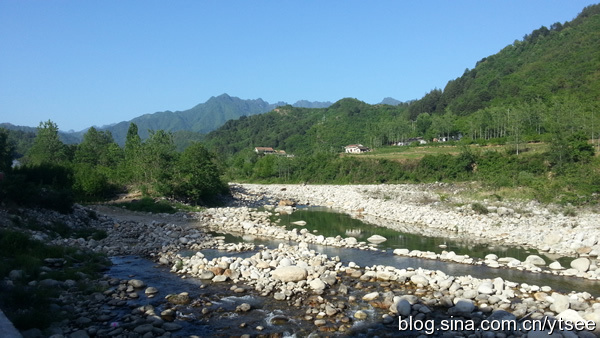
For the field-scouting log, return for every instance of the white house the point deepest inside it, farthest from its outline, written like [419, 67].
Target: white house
[356, 149]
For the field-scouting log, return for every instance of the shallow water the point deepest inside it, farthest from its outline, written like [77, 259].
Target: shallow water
[369, 258]
[329, 223]
[222, 320]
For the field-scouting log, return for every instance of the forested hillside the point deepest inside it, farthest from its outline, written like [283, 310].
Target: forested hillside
[547, 83]
[543, 89]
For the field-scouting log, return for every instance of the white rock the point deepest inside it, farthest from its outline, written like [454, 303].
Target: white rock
[317, 284]
[535, 260]
[581, 264]
[555, 266]
[289, 273]
[371, 296]
[376, 239]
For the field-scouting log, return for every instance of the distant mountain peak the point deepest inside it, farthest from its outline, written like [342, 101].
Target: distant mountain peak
[391, 101]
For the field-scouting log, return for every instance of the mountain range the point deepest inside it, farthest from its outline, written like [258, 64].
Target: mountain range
[548, 81]
[202, 118]
[555, 65]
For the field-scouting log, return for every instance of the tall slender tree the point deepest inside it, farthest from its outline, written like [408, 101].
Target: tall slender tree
[47, 147]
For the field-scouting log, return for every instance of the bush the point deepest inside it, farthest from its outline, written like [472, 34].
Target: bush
[479, 208]
[147, 204]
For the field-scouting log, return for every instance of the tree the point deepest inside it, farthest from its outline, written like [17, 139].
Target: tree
[7, 150]
[197, 176]
[158, 157]
[47, 148]
[97, 148]
[423, 123]
[132, 166]
[96, 159]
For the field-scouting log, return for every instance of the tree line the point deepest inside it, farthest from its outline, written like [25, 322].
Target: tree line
[53, 174]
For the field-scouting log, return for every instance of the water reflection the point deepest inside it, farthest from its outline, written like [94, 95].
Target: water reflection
[329, 223]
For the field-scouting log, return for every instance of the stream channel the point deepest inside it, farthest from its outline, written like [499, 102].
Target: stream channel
[267, 313]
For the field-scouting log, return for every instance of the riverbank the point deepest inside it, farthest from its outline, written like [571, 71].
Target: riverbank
[277, 290]
[440, 209]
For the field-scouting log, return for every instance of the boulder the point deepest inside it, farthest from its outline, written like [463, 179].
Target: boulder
[419, 280]
[403, 308]
[581, 264]
[317, 284]
[291, 273]
[371, 296]
[462, 308]
[376, 239]
[180, 299]
[555, 266]
[287, 203]
[486, 288]
[560, 302]
[360, 315]
[535, 260]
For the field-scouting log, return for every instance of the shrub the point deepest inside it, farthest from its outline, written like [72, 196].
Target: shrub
[479, 208]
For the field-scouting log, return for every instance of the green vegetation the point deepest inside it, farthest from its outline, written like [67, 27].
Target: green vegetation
[27, 305]
[54, 175]
[525, 118]
[479, 208]
[148, 204]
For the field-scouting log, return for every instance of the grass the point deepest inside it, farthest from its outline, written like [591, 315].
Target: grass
[405, 153]
[60, 229]
[25, 305]
[479, 208]
[147, 204]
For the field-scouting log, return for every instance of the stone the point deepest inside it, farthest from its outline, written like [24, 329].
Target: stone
[486, 288]
[470, 294]
[360, 315]
[79, 334]
[206, 274]
[317, 284]
[292, 273]
[560, 302]
[244, 307]
[330, 310]
[462, 307]
[535, 260]
[403, 308]
[171, 327]
[16, 274]
[285, 262]
[376, 239]
[144, 328]
[136, 283]
[401, 252]
[287, 203]
[500, 316]
[151, 290]
[220, 278]
[180, 299]
[419, 280]
[555, 266]
[581, 264]
[570, 315]
[320, 322]
[371, 296]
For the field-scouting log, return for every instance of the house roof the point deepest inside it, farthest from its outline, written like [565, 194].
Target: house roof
[264, 149]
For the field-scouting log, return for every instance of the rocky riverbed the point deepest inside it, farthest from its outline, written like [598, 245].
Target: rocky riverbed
[320, 294]
[440, 209]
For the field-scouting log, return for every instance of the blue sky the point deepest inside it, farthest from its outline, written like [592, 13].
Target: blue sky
[84, 63]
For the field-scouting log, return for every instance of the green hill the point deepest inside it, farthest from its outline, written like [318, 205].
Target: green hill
[547, 82]
[549, 63]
